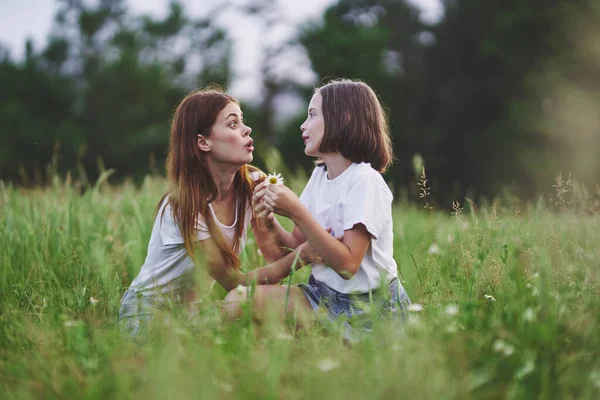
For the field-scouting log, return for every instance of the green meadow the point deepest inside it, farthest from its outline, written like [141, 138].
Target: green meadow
[506, 305]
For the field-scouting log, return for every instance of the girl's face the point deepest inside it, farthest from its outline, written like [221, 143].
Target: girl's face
[229, 141]
[313, 128]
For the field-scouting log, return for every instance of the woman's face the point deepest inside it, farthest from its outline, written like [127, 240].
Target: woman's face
[313, 128]
[229, 141]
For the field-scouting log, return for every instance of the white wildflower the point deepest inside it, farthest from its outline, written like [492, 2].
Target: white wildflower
[489, 297]
[508, 350]
[240, 289]
[451, 309]
[70, 323]
[328, 364]
[415, 307]
[529, 314]
[274, 179]
[525, 370]
[595, 378]
[284, 336]
[259, 253]
[94, 301]
[434, 250]
[500, 346]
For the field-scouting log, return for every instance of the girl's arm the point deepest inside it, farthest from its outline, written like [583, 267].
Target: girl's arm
[344, 256]
[230, 277]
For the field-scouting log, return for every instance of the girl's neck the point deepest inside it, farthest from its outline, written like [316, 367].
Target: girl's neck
[336, 164]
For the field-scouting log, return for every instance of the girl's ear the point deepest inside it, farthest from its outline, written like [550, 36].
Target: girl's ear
[203, 143]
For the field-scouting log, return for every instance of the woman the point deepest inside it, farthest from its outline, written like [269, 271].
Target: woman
[205, 216]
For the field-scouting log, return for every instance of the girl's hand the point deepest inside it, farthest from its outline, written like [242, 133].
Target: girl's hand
[281, 200]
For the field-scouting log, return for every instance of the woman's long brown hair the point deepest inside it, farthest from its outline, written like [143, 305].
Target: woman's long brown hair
[192, 185]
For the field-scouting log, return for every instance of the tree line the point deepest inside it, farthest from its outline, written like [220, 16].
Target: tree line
[494, 96]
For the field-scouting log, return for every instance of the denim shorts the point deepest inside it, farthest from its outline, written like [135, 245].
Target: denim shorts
[356, 309]
[135, 312]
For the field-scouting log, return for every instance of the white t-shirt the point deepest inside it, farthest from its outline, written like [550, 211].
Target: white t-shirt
[358, 195]
[167, 267]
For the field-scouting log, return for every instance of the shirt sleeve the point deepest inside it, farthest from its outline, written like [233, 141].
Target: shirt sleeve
[368, 202]
[169, 230]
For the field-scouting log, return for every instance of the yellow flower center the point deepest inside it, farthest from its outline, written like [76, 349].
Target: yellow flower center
[272, 180]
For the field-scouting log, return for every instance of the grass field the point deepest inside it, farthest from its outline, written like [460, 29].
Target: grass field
[510, 309]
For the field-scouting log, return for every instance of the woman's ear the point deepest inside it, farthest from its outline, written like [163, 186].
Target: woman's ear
[203, 143]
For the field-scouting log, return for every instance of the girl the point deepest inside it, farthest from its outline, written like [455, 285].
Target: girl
[207, 212]
[347, 131]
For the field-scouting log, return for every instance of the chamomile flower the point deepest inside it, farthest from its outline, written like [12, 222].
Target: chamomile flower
[489, 298]
[414, 307]
[94, 301]
[274, 179]
[328, 364]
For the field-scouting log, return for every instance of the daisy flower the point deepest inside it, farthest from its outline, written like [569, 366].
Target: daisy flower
[274, 179]
[94, 300]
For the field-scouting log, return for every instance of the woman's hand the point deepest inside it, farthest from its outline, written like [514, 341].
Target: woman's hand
[281, 200]
[260, 210]
[309, 255]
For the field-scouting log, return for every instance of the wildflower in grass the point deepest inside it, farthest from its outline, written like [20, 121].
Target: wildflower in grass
[525, 370]
[274, 179]
[328, 364]
[259, 253]
[434, 250]
[595, 378]
[70, 323]
[500, 346]
[529, 314]
[94, 301]
[489, 297]
[451, 309]
[414, 307]
[284, 336]
[240, 289]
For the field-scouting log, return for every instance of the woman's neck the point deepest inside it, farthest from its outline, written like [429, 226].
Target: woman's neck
[336, 164]
[223, 175]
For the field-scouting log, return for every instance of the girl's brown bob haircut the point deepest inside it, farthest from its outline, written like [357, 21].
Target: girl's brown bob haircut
[355, 123]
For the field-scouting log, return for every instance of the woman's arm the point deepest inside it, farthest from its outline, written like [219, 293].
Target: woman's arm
[230, 277]
[344, 256]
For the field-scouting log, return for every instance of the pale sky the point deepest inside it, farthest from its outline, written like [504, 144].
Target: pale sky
[20, 19]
